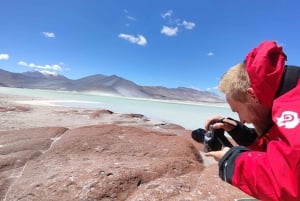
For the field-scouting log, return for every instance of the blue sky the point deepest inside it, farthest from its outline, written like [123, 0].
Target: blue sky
[168, 43]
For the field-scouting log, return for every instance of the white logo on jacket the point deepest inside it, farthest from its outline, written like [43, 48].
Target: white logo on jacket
[288, 119]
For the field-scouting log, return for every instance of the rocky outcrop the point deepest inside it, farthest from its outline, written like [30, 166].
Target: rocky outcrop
[19, 147]
[15, 109]
[105, 162]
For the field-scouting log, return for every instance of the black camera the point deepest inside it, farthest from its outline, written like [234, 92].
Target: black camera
[213, 139]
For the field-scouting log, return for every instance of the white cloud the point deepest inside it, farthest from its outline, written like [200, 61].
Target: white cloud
[46, 72]
[196, 88]
[4, 56]
[54, 67]
[22, 63]
[173, 25]
[139, 40]
[131, 18]
[212, 88]
[210, 54]
[169, 13]
[169, 31]
[188, 25]
[49, 34]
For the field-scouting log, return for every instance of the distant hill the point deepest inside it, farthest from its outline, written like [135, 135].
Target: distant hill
[103, 84]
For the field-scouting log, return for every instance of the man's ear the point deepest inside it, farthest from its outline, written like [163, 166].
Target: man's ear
[251, 96]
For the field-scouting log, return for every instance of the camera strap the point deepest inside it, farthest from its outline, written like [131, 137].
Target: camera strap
[289, 79]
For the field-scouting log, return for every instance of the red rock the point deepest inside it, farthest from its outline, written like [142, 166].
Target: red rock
[98, 113]
[109, 162]
[20, 146]
[15, 109]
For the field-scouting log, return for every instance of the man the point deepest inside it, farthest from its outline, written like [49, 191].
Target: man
[260, 90]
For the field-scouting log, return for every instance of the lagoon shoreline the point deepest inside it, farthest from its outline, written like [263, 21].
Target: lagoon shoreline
[21, 112]
[190, 115]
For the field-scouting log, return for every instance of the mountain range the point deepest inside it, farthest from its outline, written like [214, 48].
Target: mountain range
[103, 84]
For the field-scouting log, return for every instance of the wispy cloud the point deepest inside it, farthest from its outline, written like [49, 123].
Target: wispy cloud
[169, 31]
[48, 68]
[212, 88]
[169, 13]
[173, 25]
[4, 56]
[49, 34]
[139, 39]
[210, 54]
[188, 25]
[129, 18]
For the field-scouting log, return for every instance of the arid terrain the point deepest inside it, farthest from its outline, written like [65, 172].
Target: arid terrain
[62, 153]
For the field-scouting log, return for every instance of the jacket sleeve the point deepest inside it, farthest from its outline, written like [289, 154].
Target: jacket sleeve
[272, 174]
[226, 164]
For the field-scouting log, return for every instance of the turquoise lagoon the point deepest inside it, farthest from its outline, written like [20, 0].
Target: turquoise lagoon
[187, 114]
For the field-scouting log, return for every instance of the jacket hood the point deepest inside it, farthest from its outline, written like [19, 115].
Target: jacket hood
[265, 66]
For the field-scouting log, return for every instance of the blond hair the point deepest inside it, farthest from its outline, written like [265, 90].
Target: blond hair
[235, 82]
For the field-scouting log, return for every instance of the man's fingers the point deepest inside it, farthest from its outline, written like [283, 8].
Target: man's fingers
[210, 154]
[214, 154]
[217, 154]
[218, 125]
[208, 122]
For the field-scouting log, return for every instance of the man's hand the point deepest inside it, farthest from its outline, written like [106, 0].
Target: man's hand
[226, 124]
[217, 154]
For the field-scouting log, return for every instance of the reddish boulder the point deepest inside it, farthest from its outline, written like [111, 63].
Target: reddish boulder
[108, 162]
[20, 146]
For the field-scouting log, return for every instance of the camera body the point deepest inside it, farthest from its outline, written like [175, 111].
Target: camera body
[211, 142]
[213, 139]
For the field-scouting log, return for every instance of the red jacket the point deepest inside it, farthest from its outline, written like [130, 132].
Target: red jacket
[270, 170]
